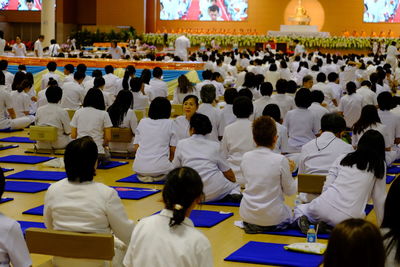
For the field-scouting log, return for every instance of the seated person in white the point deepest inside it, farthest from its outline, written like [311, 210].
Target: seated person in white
[389, 119]
[172, 228]
[122, 116]
[8, 118]
[218, 82]
[20, 99]
[41, 98]
[250, 83]
[317, 106]
[266, 90]
[78, 204]
[140, 99]
[321, 85]
[227, 115]
[100, 83]
[285, 102]
[301, 123]
[158, 88]
[182, 123]
[185, 88]
[88, 82]
[281, 144]
[238, 138]
[123, 83]
[54, 115]
[155, 143]
[207, 76]
[369, 96]
[73, 92]
[207, 95]
[69, 70]
[352, 180]
[369, 119]
[268, 178]
[110, 79]
[390, 225]
[317, 156]
[204, 156]
[92, 120]
[51, 67]
[13, 249]
[350, 105]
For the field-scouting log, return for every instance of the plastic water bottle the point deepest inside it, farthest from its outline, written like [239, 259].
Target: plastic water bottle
[311, 234]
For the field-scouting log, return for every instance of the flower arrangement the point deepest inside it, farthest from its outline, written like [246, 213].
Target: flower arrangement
[334, 42]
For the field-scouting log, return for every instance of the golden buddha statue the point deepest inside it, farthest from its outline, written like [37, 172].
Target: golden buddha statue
[301, 17]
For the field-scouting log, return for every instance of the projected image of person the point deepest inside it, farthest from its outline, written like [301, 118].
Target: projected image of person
[213, 13]
[29, 5]
[381, 11]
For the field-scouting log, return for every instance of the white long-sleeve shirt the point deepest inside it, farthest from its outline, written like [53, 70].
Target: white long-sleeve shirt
[268, 179]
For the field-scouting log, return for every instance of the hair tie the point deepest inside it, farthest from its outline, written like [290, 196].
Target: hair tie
[178, 207]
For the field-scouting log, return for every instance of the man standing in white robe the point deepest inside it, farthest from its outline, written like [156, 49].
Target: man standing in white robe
[182, 44]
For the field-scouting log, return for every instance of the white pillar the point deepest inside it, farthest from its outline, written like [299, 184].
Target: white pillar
[48, 21]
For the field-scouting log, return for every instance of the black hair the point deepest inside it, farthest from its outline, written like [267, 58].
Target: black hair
[129, 71]
[2, 182]
[302, 98]
[109, 69]
[273, 67]
[97, 73]
[1, 34]
[196, 99]
[230, 95]
[208, 93]
[281, 86]
[29, 77]
[370, 154]
[201, 124]
[157, 72]
[273, 111]
[52, 66]
[321, 77]
[366, 83]
[3, 64]
[95, 99]
[22, 67]
[385, 101]
[54, 94]
[53, 41]
[391, 220]
[136, 84]
[146, 76]
[18, 78]
[2, 78]
[246, 92]
[266, 89]
[81, 67]
[317, 96]
[160, 108]
[291, 87]
[79, 76]
[80, 159]
[249, 80]
[369, 116]
[207, 75]
[351, 88]
[332, 77]
[373, 78]
[24, 84]
[120, 107]
[99, 82]
[243, 107]
[333, 122]
[70, 68]
[182, 187]
[52, 82]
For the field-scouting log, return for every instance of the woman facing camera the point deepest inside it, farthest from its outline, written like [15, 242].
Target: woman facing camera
[78, 204]
[182, 123]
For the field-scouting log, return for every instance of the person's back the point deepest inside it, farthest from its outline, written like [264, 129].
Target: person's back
[51, 66]
[284, 102]
[369, 96]
[21, 103]
[180, 246]
[111, 80]
[73, 95]
[351, 105]
[215, 117]
[158, 88]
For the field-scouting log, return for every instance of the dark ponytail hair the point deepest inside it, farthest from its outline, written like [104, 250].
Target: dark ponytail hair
[182, 188]
[369, 116]
[129, 71]
[120, 107]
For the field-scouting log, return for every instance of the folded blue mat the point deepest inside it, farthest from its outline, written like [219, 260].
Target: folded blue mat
[17, 139]
[7, 169]
[221, 203]
[395, 169]
[273, 254]
[295, 233]
[35, 211]
[4, 200]
[207, 218]
[22, 159]
[25, 225]
[134, 179]
[134, 193]
[8, 147]
[112, 164]
[38, 175]
[9, 130]
[390, 178]
[368, 209]
[25, 187]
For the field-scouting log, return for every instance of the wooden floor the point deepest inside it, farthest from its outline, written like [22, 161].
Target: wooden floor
[224, 237]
